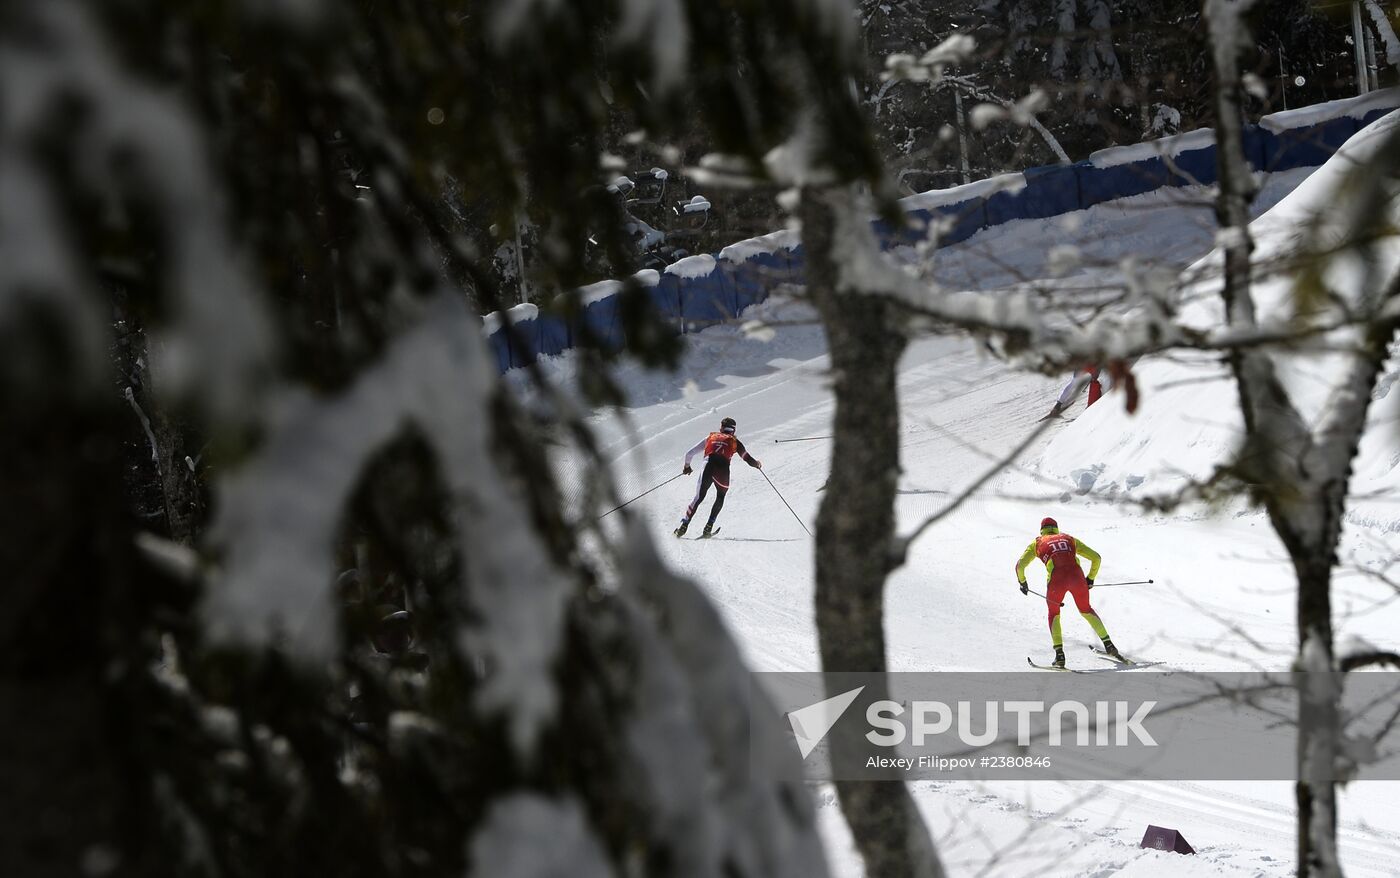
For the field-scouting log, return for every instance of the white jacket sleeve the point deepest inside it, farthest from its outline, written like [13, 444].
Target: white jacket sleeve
[699, 446]
[1072, 390]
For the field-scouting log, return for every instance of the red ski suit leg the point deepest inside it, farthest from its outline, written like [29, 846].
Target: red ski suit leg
[1075, 586]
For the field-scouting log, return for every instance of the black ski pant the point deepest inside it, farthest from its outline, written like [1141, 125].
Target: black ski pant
[716, 472]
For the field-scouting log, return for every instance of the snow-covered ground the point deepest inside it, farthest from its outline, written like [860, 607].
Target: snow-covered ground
[1154, 450]
[955, 605]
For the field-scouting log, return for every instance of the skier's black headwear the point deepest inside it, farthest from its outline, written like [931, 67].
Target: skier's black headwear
[727, 425]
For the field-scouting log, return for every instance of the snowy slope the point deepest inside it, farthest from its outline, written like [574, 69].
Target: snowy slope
[1189, 422]
[955, 605]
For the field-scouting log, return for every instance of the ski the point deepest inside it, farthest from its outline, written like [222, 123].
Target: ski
[706, 536]
[1101, 653]
[1053, 668]
[1121, 659]
[1120, 666]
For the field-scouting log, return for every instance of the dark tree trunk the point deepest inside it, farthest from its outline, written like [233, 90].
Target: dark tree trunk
[856, 528]
[163, 442]
[1319, 719]
[1303, 512]
[178, 483]
[70, 608]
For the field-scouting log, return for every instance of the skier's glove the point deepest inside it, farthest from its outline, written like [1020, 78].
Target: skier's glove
[686, 471]
[1090, 581]
[1025, 588]
[755, 463]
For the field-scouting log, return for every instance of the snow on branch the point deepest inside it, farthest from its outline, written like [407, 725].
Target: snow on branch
[746, 809]
[218, 344]
[509, 842]
[660, 28]
[956, 49]
[1021, 112]
[1382, 22]
[279, 515]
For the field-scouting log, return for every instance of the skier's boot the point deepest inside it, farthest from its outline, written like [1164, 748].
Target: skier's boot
[680, 531]
[705, 534]
[1112, 650]
[1059, 661]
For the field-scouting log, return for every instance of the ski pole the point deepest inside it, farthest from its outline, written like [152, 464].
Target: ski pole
[803, 439]
[784, 499]
[641, 495]
[1130, 582]
[1039, 595]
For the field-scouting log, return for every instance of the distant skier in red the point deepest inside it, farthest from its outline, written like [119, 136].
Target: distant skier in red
[1071, 391]
[717, 448]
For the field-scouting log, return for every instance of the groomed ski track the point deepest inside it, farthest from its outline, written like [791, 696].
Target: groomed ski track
[955, 606]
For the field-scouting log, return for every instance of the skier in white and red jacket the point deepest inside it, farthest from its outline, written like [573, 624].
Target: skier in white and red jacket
[718, 449]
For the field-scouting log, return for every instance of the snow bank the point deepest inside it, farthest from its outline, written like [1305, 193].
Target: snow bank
[492, 322]
[648, 277]
[783, 239]
[1117, 156]
[692, 266]
[1346, 108]
[599, 291]
[1188, 421]
[966, 192]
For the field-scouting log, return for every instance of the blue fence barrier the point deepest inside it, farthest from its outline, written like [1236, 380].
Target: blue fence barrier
[1305, 148]
[522, 343]
[1196, 167]
[704, 298]
[603, 323]
[500, 349]
[701, 291]
[666, 298]
[961, 220]
[552, 335]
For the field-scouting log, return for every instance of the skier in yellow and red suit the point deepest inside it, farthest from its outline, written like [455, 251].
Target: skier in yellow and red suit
[1061, 553]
